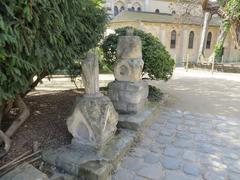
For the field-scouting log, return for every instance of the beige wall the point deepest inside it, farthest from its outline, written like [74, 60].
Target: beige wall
[163, 32]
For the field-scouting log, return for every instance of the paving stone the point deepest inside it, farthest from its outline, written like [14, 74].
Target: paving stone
[189, 155]
[139, 152]
[123, 174]
[156, 148]
[168, 132]
[195, 130]
[132, 163]
[184, 135]
[182, 127]
[211, 175]
[183, 143]
[206, 148]
[156, 126]
[191, 169]
[170, 163]
[151, 171]
[235, 167]
[233, 176]
[151, 158]
[172, 151]
[136, 177]
[164, 139]
[171, 126]
[175, 175]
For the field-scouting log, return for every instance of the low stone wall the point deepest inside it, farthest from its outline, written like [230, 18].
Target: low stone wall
[229, 68]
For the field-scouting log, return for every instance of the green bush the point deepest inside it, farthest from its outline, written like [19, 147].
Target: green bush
[157, 62]
[37, 37]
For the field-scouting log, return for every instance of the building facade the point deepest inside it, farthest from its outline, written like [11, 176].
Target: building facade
[178, 27]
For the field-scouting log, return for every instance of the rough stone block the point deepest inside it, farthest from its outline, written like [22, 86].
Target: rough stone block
[25, 171]
[86, 162]
[140, 120]
[132, 96]
[93, 121]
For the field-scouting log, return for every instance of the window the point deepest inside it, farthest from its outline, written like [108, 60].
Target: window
[133, 9]
[115, 10]
[139, 9]
[209, 39]
[122, 9]
[173, 39]
[173, 12]
[191, 40]
[157, 11]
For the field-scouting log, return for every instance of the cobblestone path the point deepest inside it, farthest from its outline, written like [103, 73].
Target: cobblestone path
[185, 146]
[187, 140]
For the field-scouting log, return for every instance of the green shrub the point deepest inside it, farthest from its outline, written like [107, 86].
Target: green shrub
[155, 94]
[157, 62]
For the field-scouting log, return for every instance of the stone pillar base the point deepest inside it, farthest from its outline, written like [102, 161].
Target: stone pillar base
[128, 97]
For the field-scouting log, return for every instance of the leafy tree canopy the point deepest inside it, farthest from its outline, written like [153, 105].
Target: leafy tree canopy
[37, 37]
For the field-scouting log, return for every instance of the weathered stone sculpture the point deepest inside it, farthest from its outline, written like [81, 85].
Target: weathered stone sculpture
[128, 92]
[94, 119]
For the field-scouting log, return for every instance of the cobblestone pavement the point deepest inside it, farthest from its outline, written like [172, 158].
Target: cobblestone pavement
[186, 145]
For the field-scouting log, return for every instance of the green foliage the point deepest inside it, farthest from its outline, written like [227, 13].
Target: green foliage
[157, 62]
[233, 10]
[155, 94]
[37, 37]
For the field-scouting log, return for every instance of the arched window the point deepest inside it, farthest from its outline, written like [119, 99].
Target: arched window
[209, 40]
[115, 10]
[191, 40]
[173, 39]
[133, 9]
[139, 9]
[173, 12]
[157, 11]
[122, 9]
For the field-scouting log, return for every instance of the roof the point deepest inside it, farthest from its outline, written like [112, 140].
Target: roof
[130, 16]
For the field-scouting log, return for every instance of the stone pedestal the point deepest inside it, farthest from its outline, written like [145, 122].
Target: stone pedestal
[128, 97]
[93, 121]
[128, 92]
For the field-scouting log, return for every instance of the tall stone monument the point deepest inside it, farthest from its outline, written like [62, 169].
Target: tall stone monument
[94, 119]
[128, 92]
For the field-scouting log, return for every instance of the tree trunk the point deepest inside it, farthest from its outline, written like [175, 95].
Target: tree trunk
[33, 84]
[207, 18]
[216, 55]
[24, 114]
[1, 114]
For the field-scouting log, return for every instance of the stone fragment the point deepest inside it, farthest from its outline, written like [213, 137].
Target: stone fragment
[93, 121]
[90, 74]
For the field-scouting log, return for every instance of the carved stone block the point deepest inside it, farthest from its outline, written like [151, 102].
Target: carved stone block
[128, 70]
[128, 97]
[93, 121]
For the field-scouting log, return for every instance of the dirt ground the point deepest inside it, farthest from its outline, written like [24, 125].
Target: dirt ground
[47, 122]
